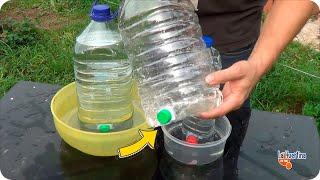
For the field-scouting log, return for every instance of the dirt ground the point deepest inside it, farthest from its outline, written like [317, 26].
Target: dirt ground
[44, 19]
[310, 34]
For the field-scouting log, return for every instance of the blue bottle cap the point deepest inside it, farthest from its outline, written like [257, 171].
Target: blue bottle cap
[208, 40]
[101, 13]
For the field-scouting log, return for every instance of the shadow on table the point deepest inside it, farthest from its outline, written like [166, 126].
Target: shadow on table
[77, 165]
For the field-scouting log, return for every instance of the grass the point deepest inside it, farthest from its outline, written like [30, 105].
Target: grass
[286, 90]
[41, 49]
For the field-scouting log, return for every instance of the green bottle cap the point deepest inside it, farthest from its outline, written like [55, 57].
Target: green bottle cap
[164, 116]
[104, 128]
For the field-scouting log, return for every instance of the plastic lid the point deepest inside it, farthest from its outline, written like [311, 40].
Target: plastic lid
[101, 13]
[208, 40]
[164, 116]
[104, 128]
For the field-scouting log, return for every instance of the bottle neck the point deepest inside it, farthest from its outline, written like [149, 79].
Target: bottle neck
[99, 22]
[103, 25]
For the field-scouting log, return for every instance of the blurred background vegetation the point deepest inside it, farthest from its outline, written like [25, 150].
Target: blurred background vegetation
[37, 39]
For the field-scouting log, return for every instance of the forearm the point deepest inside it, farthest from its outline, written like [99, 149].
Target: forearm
[282, 24]
[284, 21]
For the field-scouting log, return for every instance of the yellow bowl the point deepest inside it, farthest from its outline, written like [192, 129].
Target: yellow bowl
[64, 107]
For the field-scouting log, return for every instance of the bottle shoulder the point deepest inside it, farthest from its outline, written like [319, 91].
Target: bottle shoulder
[133, 8]
[99, 34]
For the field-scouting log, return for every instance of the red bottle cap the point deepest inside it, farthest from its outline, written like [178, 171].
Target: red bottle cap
[192, 139]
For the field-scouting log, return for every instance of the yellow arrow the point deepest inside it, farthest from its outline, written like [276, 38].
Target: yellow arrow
[148, 138]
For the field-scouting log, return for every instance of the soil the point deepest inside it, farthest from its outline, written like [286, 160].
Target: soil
[44, 19]
[296, 108]
[310, 34]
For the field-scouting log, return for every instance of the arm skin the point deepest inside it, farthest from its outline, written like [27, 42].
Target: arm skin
[283, 23]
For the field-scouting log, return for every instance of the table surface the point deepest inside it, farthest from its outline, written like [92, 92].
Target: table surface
[30, 147]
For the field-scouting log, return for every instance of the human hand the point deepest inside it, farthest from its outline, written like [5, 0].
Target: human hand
[239, 80]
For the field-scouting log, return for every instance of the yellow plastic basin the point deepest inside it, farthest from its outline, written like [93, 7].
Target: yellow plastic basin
[64, 107]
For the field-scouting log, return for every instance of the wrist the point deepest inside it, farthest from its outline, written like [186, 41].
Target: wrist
[262, 60]
[260, 67]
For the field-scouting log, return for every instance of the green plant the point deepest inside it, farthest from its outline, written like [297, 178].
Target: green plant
[286, 90]
[312, 109]
[18, 33]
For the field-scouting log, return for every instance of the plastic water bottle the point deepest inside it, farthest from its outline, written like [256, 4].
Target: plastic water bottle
[216, 58]
[163, 39]
[103, 75]
[198, 130]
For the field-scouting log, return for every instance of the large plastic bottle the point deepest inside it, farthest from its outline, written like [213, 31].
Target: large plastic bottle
[170, 59]
[198, 130]
[103, 75]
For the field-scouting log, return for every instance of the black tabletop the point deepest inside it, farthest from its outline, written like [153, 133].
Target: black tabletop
[30, 148]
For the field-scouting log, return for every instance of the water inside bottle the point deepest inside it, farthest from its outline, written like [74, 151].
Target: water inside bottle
[71, 119]
[104, 81]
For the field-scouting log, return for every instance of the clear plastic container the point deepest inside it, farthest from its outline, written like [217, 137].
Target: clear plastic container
[194, 153]
[103, 75]
[194, 128]
[163, 39]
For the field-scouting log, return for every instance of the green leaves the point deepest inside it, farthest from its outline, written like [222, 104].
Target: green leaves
[313, 109]
[18, 33]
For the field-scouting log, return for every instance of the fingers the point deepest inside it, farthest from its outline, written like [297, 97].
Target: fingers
[229, 104]
[226, 91]
[236, 71]
[237, 87]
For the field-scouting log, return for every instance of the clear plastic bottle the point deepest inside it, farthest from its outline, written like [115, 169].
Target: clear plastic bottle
[198, 130]
[216, 58]
[170, 60]
[103, 75]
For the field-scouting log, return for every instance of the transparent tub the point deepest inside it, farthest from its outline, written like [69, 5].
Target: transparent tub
[196, 154]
